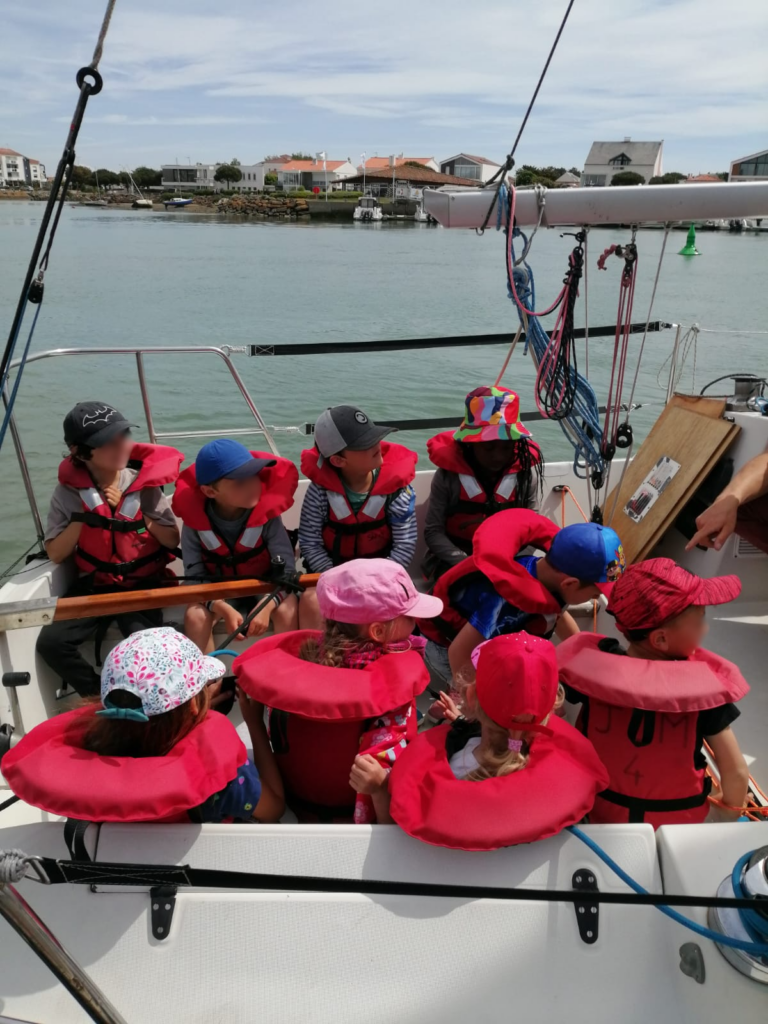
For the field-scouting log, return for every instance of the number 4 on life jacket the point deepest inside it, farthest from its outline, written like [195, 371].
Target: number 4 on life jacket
[641, 715]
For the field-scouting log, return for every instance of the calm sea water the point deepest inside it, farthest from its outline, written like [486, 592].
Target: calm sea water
[120, 278]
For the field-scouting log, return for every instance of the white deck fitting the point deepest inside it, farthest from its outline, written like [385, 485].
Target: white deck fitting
[655, 204]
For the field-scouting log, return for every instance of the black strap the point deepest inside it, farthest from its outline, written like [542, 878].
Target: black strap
[110, 525]
[324, 813]
[9, 802]
[638, 807]
[486, 508]
[123, 568]
[235, 558]
[641, 720]
[148, 875]
[74, 837]
[351, 529]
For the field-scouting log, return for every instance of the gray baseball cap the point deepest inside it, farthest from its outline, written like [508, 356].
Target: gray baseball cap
[345, 426]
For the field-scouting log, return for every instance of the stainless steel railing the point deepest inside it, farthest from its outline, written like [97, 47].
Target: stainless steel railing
[224, 353]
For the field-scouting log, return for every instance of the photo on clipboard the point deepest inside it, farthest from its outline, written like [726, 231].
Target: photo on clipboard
[651, 489]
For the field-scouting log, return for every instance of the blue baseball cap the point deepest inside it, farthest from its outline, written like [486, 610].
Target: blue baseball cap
[589, 552]
[227, 458]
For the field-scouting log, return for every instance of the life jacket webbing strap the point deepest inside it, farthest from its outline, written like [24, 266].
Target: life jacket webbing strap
[322, 812]
[105, 523]
[124, 568]
[640, 806]
[236, 557]
[350, 529]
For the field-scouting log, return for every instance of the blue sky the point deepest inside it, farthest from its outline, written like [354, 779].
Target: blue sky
[211, 81]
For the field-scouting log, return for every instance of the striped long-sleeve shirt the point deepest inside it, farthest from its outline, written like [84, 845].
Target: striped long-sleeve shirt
[400, 514]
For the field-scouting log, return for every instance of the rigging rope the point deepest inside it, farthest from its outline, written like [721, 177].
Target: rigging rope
[581, 424]
[90, 83]
[509, 162]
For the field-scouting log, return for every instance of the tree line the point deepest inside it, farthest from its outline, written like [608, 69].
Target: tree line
[528, 174]
[145, 177]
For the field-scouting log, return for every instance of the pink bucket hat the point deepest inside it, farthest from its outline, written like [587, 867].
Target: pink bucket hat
[491, 414]
[159, 666]
[372, 590]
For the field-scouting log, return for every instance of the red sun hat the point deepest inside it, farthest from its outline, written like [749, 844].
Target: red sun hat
[651, 593]
[517, 675]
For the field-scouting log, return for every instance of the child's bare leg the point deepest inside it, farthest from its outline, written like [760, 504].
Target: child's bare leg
[286, 616]
[198, 625]
[309, 610]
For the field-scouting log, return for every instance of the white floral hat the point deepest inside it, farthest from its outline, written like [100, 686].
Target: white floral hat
[161, 667]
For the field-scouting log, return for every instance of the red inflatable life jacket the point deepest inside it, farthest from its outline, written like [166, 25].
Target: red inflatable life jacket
[641, 715]
[365, 534]
[318, 714]
[497, 542]
[475, 504]
[49, 768]
[249, 557]
[114, 546]
[555, 789]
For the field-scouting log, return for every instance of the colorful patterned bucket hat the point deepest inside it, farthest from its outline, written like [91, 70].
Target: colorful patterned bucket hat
[492, 414]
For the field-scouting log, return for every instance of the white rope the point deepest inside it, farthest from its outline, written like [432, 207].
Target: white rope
[648, 318]
[585, 229]
[718, 330]
[102, 34]
[541, 199]
[13, 865]
[515, 340]
[688, 341]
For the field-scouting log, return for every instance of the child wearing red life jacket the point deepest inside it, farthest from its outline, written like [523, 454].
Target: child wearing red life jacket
[230, 501]
[649, 708]
[360, 503]
[153, 751]
[344, 700]
[489, 464]
[496, 590]
[110, 514]
[536, 773]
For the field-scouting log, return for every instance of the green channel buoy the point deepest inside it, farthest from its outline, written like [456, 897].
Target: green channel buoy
[689, 249]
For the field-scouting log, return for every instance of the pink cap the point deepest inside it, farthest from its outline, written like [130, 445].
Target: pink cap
[372, 590]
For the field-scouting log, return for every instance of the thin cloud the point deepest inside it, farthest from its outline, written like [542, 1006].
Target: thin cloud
[459, 78]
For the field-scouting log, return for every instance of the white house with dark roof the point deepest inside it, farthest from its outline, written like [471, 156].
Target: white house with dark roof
[464, 165]
[608, 158]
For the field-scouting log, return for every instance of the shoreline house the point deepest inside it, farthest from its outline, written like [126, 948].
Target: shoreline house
[408, 181]
[311, 174]
[19, 170]
[608, 158]
[384, 163]
[750, 168]
[189, 177]
[568, 180]
[703, 179]
[478, 169]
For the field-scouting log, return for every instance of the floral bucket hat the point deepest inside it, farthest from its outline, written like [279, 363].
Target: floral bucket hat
[159, 666]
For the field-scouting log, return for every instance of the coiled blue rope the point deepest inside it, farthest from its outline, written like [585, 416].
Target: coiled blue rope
[748, 917]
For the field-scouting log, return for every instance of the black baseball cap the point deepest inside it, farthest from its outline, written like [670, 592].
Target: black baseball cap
[94, 424]
[345, 426]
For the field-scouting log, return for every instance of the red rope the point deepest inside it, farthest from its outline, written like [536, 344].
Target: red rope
[621, 341]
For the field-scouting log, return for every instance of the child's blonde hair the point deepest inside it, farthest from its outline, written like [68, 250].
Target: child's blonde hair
[500, 760]
[338, 640]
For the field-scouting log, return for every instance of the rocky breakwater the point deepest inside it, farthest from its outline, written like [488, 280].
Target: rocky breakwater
[260, 205]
